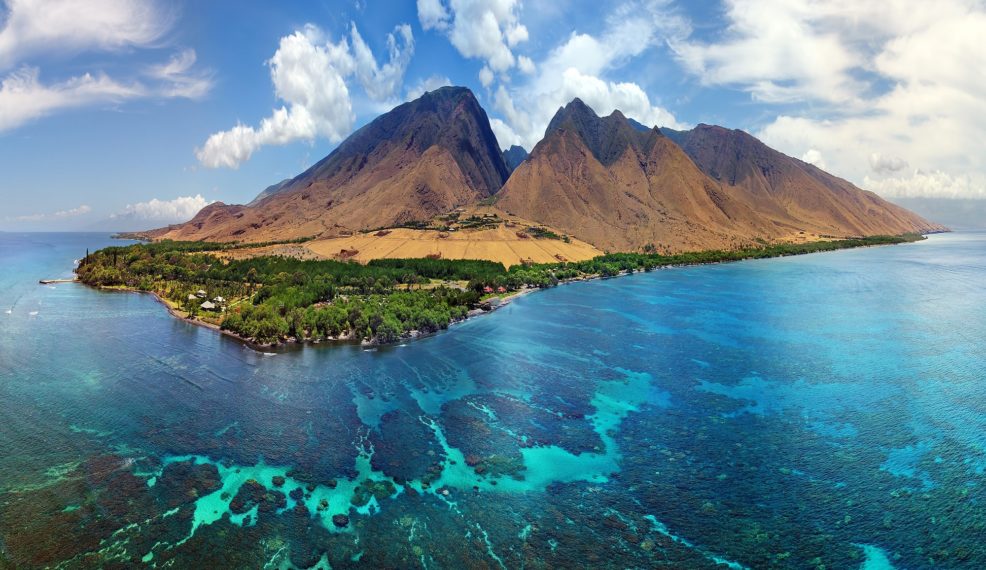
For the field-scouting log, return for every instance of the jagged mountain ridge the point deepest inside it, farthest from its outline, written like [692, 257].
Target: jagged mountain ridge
[610, 181]
[619, 186]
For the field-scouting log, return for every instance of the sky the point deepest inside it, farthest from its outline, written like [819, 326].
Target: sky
[130, 114]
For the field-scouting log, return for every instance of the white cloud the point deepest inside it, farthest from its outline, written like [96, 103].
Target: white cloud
[813, 156]
[23, 97]
[864, 84]
[310, 73]
[479, 29]
[934, 184]
[59, 215]
[428, 84]
[886, 164]
[433, 15]
[178, 78]
[505, 136]
[778, 50]
[526, 65]
[381, 82]
[180, 209]
[35, 26]
[64, 27]
[579, 66]
[486, 76]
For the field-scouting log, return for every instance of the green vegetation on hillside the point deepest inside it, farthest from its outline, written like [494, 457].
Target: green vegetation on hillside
[271, 298]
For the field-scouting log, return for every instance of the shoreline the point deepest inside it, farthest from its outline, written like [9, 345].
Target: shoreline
[270, 348]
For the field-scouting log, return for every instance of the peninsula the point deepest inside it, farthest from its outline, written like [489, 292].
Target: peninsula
[418, 220]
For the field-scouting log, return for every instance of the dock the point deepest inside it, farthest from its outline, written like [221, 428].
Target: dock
[53, 281]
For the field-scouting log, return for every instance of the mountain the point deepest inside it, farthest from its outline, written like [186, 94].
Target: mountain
[638, 125]
[421, 159]
[618, 186]
[513, 156]
[792, 191]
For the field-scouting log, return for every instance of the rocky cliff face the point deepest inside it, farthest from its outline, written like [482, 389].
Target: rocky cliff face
[421, 159]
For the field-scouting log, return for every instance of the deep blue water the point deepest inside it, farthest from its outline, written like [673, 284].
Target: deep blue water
[821, 411]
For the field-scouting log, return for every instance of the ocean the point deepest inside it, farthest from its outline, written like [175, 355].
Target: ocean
[819, 411]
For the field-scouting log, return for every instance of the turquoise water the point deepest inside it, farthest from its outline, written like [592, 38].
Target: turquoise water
[804, 412]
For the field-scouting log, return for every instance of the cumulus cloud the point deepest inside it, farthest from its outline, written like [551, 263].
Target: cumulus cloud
[177, 210]
[310, 73]
[778, 50]
[934, 184]
[433, 15]
[863, 84]
[59, 215]
[579, 66]
[64, 27]
[478, 29]
[814, 157]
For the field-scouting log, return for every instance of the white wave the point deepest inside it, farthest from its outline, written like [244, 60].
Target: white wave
[9, 311]
[33, 313]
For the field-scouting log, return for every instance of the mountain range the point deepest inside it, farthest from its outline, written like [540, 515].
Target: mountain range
[609, 181]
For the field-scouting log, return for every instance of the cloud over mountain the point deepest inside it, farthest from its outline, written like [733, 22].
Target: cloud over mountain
[312, 75]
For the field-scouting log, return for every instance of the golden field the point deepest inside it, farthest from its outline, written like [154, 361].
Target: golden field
[500, 242]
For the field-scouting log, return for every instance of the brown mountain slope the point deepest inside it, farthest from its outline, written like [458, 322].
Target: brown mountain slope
[612, 184]
[791, 190]
[619, 188]
[421, 159]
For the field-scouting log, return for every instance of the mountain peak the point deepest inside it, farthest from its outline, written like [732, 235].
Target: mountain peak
[513, 156]
[423, 158]
[606, 137]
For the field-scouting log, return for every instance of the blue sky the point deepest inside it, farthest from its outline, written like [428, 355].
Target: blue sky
[132, 113]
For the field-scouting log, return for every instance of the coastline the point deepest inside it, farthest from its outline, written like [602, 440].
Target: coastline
[416, 335]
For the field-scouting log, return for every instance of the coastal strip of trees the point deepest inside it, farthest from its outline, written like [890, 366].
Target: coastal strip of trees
[270, 299]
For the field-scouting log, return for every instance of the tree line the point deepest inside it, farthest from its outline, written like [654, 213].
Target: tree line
[272, 298]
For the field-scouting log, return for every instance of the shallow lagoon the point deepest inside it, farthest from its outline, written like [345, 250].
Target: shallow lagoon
[822, 410]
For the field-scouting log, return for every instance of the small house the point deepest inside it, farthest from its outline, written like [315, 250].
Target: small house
[192, 297]
[501, 289]
[219, 301]
[208, 306]
[200, 294]
[487, 289]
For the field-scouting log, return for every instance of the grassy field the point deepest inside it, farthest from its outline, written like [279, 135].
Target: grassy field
[500, 244]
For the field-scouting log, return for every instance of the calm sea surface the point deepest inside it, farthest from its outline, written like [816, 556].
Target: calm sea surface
[821, 411]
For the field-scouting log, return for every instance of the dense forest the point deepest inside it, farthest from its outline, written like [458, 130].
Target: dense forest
[272, 298]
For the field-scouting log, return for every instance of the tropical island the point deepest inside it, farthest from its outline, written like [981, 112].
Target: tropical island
[272, 299]
[419, 219]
